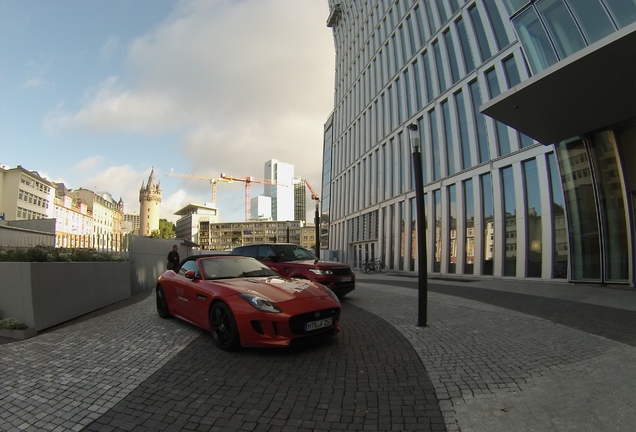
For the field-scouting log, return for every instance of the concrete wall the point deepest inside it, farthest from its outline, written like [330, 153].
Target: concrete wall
[148, 259]
[42, 295]
[27, 233]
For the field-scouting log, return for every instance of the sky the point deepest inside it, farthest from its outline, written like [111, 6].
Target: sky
[96, 94]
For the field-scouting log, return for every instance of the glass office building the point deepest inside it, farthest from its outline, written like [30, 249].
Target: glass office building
[526, 116]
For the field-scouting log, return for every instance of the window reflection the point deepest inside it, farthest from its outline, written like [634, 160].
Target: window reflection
[452, 228]
[616, 249]
[469, 221]
[565, 34]
[510, 215]
[488, 217]
[534, 246]
[535, 41]
[437, 208]
[582, 219]
[559, 230]
[593, 19]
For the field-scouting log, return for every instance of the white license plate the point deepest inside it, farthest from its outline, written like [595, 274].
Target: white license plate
[315, 325]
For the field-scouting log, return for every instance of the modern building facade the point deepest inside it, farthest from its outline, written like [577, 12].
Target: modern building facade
[526, 118]
[228, 235]
[282, 191]
[149, 206]
[300, 200]
[195, 224]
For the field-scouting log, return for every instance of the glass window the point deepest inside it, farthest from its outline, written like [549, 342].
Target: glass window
[482, 40]
[582, 215]
[480, 122]
[464, 140]
[437, 208]
[503, 138]
[497, 22]
[421, 132]
[429, 17]
[428, 75]
[512, 73]
[402, 223]
[534, 40]
[467, 54]
[432, 117]
[559, 230]
[623, 11]
[469, 227]
[488, 220]
[448, 138]
[441, 75]
[452, 229]
[534, 236]
[412, 35]
[561, 26]
[493, 83]
[450, 49]
[513, 6]
[612, 200]
[510, 217]
[593, 18]
[418, 85]
[442, 10]
[413, 234]
[420, 25]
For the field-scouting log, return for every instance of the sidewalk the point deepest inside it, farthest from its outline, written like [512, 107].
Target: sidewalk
[495, 369]
[487, 361]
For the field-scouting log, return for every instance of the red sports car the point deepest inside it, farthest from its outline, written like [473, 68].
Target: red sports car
[245, 303]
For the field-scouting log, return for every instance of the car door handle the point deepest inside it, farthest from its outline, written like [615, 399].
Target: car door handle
[201, 296]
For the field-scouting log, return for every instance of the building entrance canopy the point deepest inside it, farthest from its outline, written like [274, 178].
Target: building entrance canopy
[594, 88]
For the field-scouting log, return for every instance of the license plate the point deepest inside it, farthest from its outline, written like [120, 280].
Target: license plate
[346, 279]
[315, 325]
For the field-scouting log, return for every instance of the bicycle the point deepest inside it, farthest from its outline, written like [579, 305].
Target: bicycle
[380, 267]
[367, 267]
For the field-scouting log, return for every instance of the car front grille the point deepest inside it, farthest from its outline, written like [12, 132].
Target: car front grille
[341, 271]
[297, 322]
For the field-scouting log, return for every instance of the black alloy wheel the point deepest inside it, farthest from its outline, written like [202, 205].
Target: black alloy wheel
[162, 304]
[223, 327]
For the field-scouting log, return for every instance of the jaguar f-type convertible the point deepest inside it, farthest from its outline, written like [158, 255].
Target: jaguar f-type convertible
[245, 303]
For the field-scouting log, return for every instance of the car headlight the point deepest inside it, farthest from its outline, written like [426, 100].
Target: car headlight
[321, 272]
[333, 294]
[260, 303]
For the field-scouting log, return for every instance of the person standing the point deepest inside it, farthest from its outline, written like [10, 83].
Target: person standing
[173, 258]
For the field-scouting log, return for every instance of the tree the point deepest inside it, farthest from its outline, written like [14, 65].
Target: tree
[166, 230]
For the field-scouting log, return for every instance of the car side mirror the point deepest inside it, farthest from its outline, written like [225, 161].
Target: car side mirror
[190, 274]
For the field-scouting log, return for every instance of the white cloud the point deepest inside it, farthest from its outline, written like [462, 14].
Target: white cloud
[238, 82]
[110, 48]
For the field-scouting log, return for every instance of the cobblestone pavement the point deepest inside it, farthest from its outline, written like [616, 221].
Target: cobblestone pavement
[476, 367]
[496, 369]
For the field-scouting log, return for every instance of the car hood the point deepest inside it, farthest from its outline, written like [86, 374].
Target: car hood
[319, 264]
[276, 289]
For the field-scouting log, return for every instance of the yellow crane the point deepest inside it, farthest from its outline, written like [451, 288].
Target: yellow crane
[213, 181]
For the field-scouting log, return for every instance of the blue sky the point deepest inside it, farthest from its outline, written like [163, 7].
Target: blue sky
[97, 93]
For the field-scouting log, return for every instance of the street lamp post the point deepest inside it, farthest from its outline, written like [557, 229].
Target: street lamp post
[422, 280]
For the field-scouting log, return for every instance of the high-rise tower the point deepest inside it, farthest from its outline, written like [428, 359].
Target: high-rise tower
[149, 205]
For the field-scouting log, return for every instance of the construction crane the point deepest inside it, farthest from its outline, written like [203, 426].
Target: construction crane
[213, 181]
[248, 189]
[315, 197]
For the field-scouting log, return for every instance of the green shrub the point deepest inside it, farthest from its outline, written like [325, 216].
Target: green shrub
[11, 324]
[51, 254]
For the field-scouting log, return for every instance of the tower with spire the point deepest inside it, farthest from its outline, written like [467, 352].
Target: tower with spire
[149, 205]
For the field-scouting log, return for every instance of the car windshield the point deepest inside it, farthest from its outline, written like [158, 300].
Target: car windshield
[294, 253]
[233, 267]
